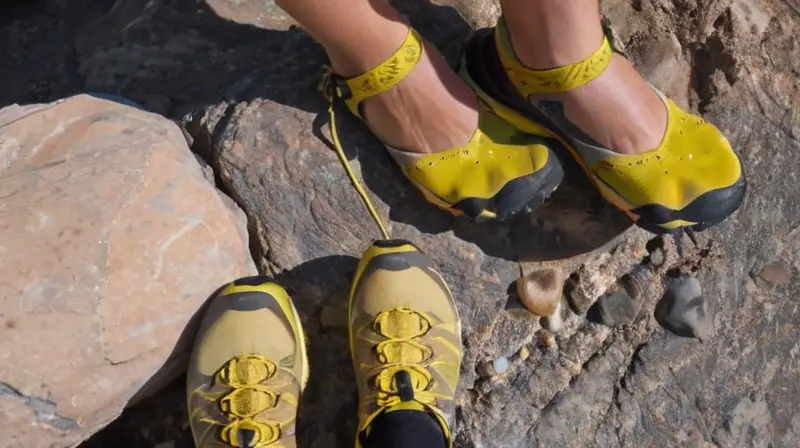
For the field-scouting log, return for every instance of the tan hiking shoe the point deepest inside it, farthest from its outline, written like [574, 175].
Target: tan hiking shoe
[405, 337]
[248, 368]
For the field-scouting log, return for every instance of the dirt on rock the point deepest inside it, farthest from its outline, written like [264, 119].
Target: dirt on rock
[242, 87]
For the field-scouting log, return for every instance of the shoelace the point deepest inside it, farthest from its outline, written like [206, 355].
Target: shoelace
[246, 375]
[328, 89]
[404, 376]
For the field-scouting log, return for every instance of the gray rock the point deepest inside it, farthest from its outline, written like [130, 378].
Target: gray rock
[618, 308]
[682, 309]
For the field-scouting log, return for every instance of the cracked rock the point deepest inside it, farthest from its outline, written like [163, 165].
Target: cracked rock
[111, 238]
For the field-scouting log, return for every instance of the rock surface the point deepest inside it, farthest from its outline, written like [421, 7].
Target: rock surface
[246, 97]
[111, 239]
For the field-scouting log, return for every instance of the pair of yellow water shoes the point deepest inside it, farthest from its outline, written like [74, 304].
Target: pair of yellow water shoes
[249, 366]
[693, 179]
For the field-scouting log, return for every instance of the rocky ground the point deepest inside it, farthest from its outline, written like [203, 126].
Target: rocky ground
[240, 81]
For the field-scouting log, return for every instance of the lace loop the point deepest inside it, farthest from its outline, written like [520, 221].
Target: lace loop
[402, 352]
[249, 397]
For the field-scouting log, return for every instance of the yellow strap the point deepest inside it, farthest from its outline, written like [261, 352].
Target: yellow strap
[555, 80]
[385, 76]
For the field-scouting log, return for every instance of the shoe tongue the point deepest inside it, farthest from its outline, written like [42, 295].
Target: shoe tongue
[247, 438]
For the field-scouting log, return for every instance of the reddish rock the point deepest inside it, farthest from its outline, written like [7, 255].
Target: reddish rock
[111, 238]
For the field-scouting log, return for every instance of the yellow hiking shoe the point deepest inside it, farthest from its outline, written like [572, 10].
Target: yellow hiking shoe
[405, 337]
[248, 368]
[500, 172]
[693, 179]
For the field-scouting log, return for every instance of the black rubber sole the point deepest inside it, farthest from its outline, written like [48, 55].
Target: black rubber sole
[519, 196]
[484, 67]
[707, 211]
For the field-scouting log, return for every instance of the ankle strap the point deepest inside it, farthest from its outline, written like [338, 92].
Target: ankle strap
[379, 79]
[555, 80]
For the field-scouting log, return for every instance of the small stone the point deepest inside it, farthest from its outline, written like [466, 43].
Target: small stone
[776, 273]
[546, 339]
[682, 309]
[524, 353]
[618, 308]
[540, 291]
[500, 365]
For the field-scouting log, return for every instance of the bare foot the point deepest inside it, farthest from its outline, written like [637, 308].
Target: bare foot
[618, 109]
[431, 110]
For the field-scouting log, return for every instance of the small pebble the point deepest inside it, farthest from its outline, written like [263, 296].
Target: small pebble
[546, 339]
[682, 309]
[500, 365]
[524, 353]
[540, 291]
[618, 308]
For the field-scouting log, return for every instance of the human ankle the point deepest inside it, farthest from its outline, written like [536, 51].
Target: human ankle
[377, 42]
[536, 31]
[539, 51]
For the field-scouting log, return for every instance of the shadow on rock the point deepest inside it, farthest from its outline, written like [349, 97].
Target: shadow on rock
[177, 58]
[157, 412]
[314, 286]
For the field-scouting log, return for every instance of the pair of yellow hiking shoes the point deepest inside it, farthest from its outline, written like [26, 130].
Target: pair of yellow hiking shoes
[249, 365]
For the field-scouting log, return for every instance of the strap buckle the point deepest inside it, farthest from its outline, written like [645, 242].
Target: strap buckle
[333, 86]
